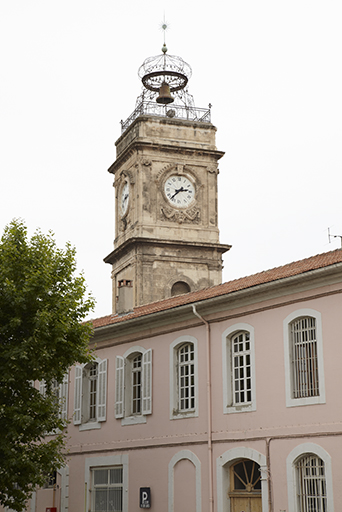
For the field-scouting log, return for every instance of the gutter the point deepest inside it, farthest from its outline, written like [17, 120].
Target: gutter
[209, 410]
[232, 297]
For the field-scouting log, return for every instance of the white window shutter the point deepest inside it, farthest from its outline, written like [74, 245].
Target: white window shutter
[78, 396]
[147, 382]
[42, 387]
[119, 386]
[102, 391]
[63, 395]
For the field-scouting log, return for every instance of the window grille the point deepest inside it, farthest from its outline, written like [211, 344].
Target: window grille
[241, 369]
[136, 384]
[186, 377]
[312, 493]
[107, 491]
[304, 358]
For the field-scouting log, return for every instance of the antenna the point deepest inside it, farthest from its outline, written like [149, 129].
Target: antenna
[334, 236]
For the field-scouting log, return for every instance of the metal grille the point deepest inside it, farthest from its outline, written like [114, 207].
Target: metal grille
[107, 490]
[312, 494]
[242, 373]
[136, 385]
[186, 377]
[92, 391]
[304, 358]
[201, 115]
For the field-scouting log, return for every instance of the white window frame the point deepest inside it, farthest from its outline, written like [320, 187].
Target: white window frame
[106, 462]
[290, 400]
[123, 386]
[81, 396]
[227, 365]
[292, 482]
[175, 412]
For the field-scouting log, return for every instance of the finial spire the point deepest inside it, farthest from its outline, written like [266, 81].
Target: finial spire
[164, 27]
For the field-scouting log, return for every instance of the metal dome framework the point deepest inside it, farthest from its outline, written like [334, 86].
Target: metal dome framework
[165, 68]
[173, 71]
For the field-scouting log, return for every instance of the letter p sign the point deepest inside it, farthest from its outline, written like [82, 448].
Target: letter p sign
[145, 497]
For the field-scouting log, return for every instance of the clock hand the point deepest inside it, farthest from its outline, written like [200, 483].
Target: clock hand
[177, 191]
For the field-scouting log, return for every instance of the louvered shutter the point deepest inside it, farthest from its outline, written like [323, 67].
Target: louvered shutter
[102, 391]
[63, 394]
[147, 382]
[42, 387]
[119, 387]
[78, 396]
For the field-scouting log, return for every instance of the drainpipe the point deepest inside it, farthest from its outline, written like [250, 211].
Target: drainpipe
[209, 415]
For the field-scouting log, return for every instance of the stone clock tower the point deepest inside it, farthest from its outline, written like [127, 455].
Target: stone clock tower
[165, 178]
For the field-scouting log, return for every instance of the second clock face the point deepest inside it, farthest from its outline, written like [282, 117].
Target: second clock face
[179, 191]
[124, 198]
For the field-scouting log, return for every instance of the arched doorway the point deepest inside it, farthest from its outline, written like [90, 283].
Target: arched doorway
[245, 486]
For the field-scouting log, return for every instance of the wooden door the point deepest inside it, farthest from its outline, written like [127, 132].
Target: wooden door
[245, 487]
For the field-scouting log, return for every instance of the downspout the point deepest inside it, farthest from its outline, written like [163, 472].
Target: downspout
[209, 413]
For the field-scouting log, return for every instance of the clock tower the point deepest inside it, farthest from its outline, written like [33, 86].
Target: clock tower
[165, 178]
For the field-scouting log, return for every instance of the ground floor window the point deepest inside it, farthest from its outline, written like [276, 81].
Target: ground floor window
[107, 489]
[312, 493]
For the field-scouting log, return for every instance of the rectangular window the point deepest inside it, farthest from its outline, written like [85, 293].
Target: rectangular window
[107, 489]
[304, 358]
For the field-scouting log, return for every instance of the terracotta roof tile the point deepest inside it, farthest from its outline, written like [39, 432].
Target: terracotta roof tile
[267, 276]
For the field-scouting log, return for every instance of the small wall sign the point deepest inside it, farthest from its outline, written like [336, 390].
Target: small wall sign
[145, 497]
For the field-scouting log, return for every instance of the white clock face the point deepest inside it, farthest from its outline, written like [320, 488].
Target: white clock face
[179, 191]
[124, 198]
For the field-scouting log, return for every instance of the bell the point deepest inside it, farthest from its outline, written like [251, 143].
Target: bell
[164, 94]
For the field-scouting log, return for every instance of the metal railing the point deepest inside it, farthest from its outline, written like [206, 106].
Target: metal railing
[201, 115]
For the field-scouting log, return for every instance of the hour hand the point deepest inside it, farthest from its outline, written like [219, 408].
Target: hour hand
[177, 191]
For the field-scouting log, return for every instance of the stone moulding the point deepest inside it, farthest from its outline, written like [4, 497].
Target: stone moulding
[191, 215]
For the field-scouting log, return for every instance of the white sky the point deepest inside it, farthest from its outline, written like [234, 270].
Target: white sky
[271, 69]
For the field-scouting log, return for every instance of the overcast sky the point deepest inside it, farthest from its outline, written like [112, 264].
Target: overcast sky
[272, 71]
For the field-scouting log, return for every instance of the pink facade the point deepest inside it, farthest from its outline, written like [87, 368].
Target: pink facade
[273, 417]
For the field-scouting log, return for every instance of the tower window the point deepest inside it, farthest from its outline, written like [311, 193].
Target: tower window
[179, 288]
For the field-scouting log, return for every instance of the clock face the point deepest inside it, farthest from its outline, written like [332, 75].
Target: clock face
[124, 198]
[179, 191]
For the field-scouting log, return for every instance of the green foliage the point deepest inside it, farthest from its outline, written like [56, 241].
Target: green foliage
[42, 306]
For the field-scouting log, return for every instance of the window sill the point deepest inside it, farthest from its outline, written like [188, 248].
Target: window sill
[177, 415]
[232, 409]
[312, 400]
[133, 420]
[91, 425]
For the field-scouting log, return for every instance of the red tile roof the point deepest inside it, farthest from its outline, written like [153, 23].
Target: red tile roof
[291, 269]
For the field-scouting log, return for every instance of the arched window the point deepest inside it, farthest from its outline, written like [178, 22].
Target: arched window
[311, 484]
[136, 384]
[133, 385]
[304, 357]
[304, 370]
[179, 288]
[184, 378]
[309, 479]
[90, 394]
[238, 368]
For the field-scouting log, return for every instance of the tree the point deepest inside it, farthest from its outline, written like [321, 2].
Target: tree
[43, 305]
